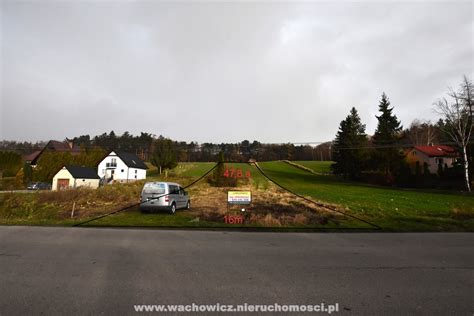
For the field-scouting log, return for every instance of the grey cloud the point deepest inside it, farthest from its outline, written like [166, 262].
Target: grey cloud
[224, 71]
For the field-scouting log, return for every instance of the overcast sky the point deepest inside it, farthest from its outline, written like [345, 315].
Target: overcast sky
[224, 72]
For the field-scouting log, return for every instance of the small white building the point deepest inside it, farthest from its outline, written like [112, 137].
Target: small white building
[74, 177]
[121, 167]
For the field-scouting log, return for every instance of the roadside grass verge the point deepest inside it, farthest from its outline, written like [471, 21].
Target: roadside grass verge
[184, 219]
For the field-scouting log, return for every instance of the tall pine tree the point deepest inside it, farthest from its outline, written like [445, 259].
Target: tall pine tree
[387, 155]
[349, 146]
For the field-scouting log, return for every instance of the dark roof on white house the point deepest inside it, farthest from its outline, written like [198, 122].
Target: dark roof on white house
[131, 160]
[79, 172]
[54, 146]
[65, 146]
[32, 156]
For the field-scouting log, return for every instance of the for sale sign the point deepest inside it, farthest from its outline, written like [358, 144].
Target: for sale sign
[239, 197]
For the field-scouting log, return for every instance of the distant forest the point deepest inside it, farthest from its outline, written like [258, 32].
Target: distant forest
[144, 145]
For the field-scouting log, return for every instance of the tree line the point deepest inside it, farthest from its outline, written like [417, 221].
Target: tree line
[151, 148]
[381, 158]
[160, 151]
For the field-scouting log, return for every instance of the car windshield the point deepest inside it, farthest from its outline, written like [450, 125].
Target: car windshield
[154, 188]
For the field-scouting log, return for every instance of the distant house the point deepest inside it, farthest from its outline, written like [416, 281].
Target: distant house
[74, 177]
[119, 166]
[433, 156]
[32, 158]
[53, 145]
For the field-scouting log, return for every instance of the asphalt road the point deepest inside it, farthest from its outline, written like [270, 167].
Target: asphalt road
[70, 271]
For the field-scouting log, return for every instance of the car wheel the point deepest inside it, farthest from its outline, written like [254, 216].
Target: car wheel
[173, 208]
[188, 205]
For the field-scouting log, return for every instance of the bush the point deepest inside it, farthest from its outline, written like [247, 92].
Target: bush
[10, 163]
[9, 183]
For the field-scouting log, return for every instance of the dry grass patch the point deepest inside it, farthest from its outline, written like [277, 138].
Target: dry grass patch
[92, 202]
[272, 207]
[462, 214]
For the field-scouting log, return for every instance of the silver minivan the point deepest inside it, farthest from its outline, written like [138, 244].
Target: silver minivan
[167, 196]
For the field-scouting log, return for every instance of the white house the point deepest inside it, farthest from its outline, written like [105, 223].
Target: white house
[121, 167]
[74, 177]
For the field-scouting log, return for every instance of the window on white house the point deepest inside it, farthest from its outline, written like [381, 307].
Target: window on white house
[123, 170]
[136, 171]
[135, 176]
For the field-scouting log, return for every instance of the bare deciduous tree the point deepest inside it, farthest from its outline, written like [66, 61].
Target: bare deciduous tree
[422, 133]
[458, 116]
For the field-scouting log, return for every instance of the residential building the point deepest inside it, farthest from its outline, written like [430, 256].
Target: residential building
[75, 177]
[121, 167]
[55, 146]
[433, 156]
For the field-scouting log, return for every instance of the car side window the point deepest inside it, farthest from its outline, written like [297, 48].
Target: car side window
[173, 189]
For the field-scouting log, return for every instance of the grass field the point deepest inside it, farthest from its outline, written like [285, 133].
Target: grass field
[390, 208]
[317, 166]
[186, 173]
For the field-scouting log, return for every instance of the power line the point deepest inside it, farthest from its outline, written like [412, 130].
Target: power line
[314, 202]
[151, 199]
[333, 209]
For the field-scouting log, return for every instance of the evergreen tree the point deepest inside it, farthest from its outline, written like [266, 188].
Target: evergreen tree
[10, 163]
[349, 151]
[387, 155]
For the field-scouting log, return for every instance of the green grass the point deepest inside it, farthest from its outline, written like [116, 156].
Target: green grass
[316, 166]
[192, 169]
[187, 172]
[390, 208]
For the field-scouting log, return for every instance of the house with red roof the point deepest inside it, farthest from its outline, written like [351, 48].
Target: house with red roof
[433, 156]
